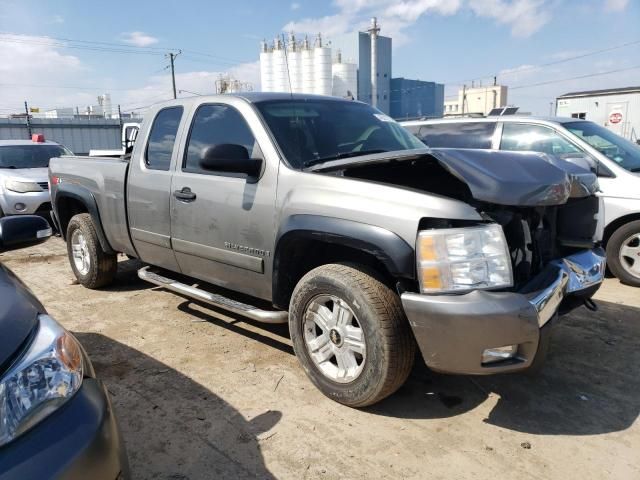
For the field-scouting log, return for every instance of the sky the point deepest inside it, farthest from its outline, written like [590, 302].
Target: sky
[64, 53]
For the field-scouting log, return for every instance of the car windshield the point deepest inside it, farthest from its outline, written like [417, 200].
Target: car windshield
[29, 156]
[314, 131]
[621, 151]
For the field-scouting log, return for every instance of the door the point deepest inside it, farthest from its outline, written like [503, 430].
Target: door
[223, 223]
[617, 119]
[149, 187]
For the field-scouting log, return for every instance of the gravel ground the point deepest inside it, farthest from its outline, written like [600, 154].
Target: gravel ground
[203, 394]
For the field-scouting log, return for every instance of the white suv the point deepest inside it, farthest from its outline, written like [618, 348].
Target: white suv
[616, 160]
[24, 182]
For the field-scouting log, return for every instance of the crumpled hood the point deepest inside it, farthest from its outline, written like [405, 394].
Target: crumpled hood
[499, 177]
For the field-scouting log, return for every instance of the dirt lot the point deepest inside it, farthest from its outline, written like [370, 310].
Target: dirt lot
[201, 394]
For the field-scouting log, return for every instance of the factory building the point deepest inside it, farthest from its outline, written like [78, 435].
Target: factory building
[355, 65]
[618, 109]
[477, 100]
[416, 99]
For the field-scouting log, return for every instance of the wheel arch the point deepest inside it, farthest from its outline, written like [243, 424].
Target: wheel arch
[72, 200]
[305, 242]
[616, 224]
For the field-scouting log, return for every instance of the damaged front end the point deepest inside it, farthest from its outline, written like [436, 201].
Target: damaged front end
[548, 212]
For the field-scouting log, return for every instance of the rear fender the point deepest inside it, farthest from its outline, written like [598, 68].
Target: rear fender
[86, 198]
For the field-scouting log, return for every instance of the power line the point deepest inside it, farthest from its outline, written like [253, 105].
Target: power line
[548, 64]
[574, 78]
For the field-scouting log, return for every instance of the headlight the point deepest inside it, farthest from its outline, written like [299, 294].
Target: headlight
[45, 377]
[463, 259]
[22, 187]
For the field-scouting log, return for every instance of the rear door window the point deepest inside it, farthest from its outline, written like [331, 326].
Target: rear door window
[535, 138]
[163, 138]
[458, 134]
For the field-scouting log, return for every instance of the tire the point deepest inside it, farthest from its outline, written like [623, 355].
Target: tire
[389, 347]
[626, 269]
[100, 267]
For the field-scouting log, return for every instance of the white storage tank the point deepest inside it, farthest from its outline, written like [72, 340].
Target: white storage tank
[266, 68]
[345, 79]
[322, 68]
[279, 65]
[294, 60]
[308, 80]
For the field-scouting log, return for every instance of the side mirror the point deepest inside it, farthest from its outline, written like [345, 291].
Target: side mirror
[23, 231]
[230, 158]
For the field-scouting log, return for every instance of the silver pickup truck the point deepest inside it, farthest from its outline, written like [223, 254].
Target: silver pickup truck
[327, 214]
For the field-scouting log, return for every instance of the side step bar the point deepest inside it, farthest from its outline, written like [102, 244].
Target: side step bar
[249, 311]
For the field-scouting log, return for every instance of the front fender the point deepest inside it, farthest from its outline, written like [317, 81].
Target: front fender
[393, 252]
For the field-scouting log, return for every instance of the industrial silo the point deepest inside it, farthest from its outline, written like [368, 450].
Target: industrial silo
[306, 55]
[279, 68]
[322, 68]
[294, 60]
[266, 68]
[345, 79]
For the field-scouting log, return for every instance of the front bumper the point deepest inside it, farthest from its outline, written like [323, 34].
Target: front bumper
[453, 331]
[80, 440]
[33, 202]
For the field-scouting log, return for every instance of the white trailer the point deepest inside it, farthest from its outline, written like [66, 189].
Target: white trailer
[618, 109]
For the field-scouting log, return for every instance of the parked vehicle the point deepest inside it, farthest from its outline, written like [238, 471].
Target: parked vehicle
[129, 133]
[24, 184]
[616, 161]
[327, 214]
[56, 419]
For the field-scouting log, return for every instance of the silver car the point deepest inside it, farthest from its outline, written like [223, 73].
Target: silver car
[616, 160]
[24, 183]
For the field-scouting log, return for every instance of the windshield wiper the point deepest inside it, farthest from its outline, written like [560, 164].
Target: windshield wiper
[340, 156]
[8, 166]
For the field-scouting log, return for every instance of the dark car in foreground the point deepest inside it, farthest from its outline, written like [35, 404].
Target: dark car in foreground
[56, 419]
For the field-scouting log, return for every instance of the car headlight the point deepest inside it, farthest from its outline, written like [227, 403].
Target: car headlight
[463, 259]
[22, 187]
[45, 377]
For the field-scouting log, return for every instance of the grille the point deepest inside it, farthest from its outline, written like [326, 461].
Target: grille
[44, 185]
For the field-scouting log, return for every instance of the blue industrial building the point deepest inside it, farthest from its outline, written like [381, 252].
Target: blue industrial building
[416, 98]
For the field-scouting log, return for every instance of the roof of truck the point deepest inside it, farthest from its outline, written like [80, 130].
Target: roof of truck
[255, 97]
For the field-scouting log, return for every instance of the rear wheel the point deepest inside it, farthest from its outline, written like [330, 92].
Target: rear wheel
[623, 253]
[350, 334]
[92, 266]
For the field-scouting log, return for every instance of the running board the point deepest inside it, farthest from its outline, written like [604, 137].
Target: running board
[249, 311]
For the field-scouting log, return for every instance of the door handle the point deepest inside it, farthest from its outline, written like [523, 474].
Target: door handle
[186, 195]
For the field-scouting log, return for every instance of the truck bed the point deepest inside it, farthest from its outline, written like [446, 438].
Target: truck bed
[105, 178]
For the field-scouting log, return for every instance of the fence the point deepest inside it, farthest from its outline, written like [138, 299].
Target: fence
[77, 134]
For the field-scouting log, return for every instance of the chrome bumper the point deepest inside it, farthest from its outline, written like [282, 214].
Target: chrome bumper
[453, 331]
[575, 273]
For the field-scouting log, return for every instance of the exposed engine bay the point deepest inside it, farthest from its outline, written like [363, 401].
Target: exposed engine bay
[547, 209]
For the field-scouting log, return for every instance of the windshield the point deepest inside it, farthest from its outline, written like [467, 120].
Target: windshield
[314, 131]
[29, 156]
[621, 151]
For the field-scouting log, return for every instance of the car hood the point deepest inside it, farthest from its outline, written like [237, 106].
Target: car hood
[19, 310]
[503, 178]
[25, 174]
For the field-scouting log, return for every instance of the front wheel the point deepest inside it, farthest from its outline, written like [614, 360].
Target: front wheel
[350, 334]
[92, 266]
[623, 253]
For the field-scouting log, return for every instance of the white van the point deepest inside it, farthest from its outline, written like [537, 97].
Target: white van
[617, 162]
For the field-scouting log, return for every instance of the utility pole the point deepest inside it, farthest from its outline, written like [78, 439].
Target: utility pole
[464, 96]
[120, 116]
[172, 57]
[28, 118]
[551, 109]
